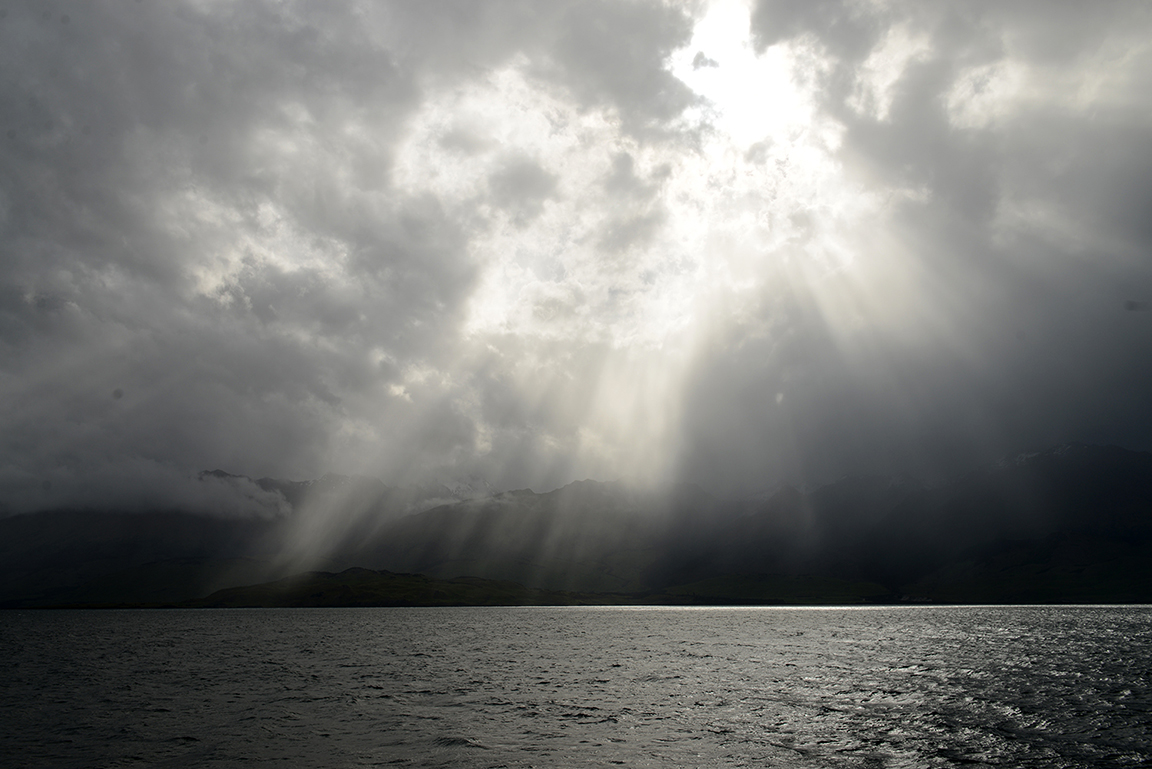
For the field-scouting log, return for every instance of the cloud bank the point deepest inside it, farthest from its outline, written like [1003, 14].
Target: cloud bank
[533, 242]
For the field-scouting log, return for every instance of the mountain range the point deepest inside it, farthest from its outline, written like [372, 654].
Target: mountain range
[1070, 524]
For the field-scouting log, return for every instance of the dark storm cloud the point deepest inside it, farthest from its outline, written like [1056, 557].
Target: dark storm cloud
[205, 261]
[1028, 233]
[416, 238]
[119, 126]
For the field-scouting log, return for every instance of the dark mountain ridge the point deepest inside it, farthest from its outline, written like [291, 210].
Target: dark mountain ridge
[1068, 524]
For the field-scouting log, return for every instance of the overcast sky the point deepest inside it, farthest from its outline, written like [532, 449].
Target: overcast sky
[723, 243]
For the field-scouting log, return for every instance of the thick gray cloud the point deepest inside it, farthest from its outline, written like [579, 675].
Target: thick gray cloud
[206, 262]
[542, 241]
[1022, 131]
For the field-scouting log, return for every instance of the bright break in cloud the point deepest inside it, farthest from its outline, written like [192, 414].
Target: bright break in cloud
[716, 242]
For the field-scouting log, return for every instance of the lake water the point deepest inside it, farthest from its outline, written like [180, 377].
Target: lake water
[572, 687]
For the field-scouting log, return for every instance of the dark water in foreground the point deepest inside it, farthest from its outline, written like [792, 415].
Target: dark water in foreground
[519, 687]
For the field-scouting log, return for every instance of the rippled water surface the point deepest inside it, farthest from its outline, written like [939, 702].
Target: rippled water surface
[521, 687]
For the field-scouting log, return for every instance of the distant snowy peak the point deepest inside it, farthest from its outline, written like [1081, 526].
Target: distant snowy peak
[469, 488]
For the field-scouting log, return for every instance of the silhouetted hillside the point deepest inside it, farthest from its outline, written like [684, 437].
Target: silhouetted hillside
[1069, 524]
[907, 538]
[85, 556]
[364, 587]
